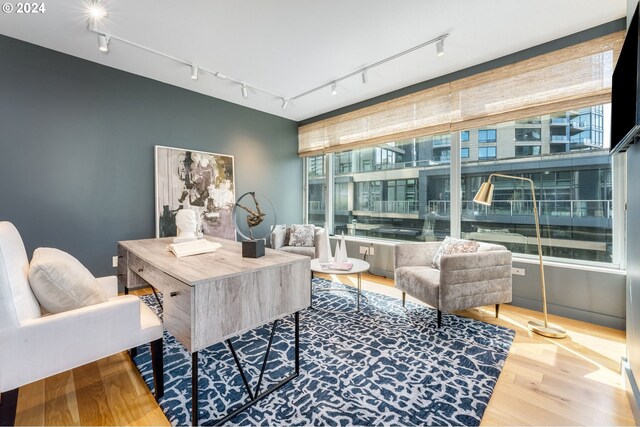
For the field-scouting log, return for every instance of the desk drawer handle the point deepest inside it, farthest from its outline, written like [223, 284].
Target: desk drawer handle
[140, 270]
[173, 294]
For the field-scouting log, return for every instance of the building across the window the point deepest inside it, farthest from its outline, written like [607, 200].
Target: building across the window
[401, 190]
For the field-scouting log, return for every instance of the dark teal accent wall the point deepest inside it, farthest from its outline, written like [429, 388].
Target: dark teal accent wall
[77, 150]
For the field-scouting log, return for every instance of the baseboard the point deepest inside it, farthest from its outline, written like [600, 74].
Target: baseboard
[633, 393]
[572, 313]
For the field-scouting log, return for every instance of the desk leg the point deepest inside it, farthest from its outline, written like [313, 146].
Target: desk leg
[297, 342]
[194, 388]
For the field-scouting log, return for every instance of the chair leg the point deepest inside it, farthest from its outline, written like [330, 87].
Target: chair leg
[497, 310]
[8, 406]
[439, 319]
[158, 367]
[404, 298]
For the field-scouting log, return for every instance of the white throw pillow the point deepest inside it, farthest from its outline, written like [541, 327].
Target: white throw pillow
[451, 245]
[61, 283]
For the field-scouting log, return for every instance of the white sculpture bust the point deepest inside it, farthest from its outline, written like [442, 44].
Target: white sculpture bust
[186, 223]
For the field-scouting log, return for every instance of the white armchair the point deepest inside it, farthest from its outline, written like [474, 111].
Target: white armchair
[35, 346]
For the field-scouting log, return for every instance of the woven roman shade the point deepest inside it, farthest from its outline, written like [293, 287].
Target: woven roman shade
[573, 77]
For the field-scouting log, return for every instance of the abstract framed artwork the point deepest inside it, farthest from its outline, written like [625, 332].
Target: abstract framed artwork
[195, 180]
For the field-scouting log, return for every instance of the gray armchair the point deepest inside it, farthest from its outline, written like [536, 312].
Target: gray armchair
[280, 241]
[463, 281]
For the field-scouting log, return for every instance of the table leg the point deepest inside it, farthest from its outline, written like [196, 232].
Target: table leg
[194, 388]
[359, 288]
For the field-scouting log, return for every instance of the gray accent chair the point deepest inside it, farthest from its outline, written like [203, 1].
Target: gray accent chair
[463, 281]
[280, 241]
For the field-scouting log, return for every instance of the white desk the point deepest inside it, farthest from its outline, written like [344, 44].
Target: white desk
[212, 297]
[358, 267]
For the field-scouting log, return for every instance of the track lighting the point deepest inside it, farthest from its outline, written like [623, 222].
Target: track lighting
[103, 43]
[440, 47]
[96, 12]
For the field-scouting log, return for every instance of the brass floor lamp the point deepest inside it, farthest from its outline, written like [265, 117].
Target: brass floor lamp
[485, 197]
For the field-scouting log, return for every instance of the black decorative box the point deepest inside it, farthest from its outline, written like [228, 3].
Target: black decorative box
[253, 248]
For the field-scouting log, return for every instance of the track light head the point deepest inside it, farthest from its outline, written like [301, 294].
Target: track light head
[245, 92]
[440, 47]
[364, 77]
[103, 43]
[285, 103]
[194, 72]
[334, 88]
[96, 11]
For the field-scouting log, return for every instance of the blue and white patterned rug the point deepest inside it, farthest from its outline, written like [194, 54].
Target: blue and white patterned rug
[383, 365]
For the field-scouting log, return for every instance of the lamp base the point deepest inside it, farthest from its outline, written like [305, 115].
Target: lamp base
[550, 331]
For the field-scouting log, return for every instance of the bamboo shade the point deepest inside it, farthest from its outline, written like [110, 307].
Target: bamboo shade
[573, 77]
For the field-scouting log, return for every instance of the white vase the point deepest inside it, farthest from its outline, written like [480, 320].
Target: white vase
[324, 247]
[341, 254]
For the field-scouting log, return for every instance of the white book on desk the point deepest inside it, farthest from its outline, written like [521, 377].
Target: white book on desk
[195, 247]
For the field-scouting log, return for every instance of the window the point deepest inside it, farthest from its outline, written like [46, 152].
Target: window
[442, 139]
[343, 162]
[316, 165]
[442, 154]
[487, 135]
[527, 150]
[392, 203]
[573, 189]
[401, 190]
[464, 136]
[486, 153]
[315, 191]
[528, 134]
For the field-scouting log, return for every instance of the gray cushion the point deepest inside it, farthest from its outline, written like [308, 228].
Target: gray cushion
[61, 283]
[300, 250]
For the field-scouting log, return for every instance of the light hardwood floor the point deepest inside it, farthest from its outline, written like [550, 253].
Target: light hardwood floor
[573, 381]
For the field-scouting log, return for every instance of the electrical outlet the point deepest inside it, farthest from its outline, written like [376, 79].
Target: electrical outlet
[114, 261]
[367, 250]
[517, 271]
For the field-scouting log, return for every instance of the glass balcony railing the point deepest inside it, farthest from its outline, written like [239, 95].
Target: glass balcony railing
[399, 207]
[555, 208]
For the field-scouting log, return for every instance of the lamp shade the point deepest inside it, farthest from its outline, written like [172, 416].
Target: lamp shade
[484, 196]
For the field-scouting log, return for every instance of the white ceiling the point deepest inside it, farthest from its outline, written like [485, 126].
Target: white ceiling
[290, 46]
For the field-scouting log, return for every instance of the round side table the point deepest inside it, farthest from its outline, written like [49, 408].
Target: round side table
[358, 267]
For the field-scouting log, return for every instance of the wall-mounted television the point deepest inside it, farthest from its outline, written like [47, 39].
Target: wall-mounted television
[625, 95]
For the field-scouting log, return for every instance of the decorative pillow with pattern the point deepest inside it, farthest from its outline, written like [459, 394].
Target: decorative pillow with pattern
[302, 235]
[451, 245]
